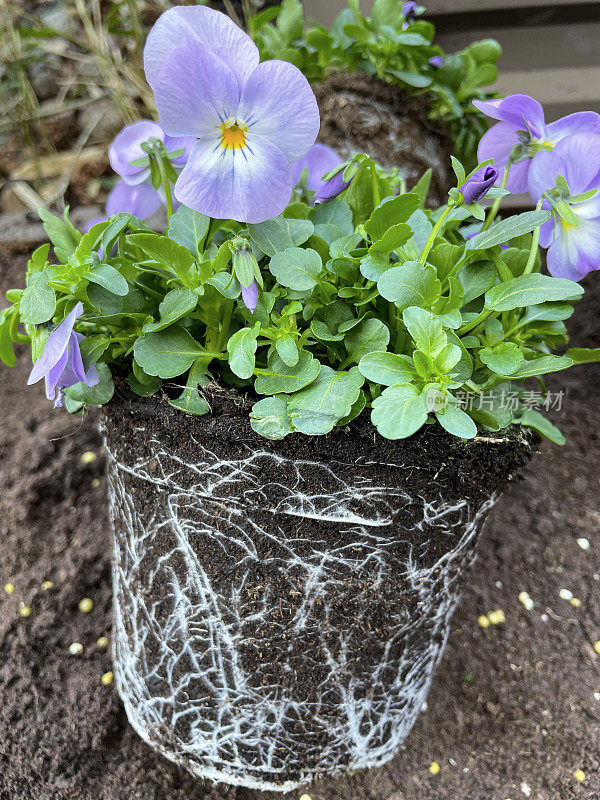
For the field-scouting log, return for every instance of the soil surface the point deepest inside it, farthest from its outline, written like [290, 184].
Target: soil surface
[515, 707]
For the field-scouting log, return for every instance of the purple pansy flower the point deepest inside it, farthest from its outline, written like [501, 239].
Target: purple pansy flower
[436, 62]
[134, 193]
[251, 120]
[573, 243]
[331, 188]
[409, 10]
[319, 160]
[61, 363]
[478, 184]
[522, 122]
[250, 295]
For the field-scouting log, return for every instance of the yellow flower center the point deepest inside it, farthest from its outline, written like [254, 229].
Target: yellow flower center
[233, 135]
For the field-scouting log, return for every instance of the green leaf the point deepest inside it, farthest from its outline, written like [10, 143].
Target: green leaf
[422, 186]
[62, 234]
[97, 395]
[171, 256]
[278, 377]
[38, 301]
[6, 349]
[476, 279]
[373, 265]
[399, 411]
[316, 409]
[176, 304]
[167, 353]
[92, 347]
[531, 418]
[457, 422]
[110, 278]
[278, 234]
[242, 348]
[415, 79]
[411, 284]
[370, 335]
[504, 358]
[189, 228]
[337, 212]
[527, 290]
[541, 366]
[296, 268]
[393, 238]
[508, 229]
[270, 419]
[583, 355]
[191, 401]
[387, 369]
[426, 330]
[391, 212]
[287, 350]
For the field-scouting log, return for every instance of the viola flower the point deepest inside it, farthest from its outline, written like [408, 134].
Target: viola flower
[319, 160]
[436, 62]
[478, 184]
[134, 193]
[251, 120]
[331, 188]
[522, 123]
[409, 10]
[61, 364]
[573, 235]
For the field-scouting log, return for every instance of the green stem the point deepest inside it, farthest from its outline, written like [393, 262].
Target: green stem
[496, 204]
[166, 186]
[534, 245]
[225, 322]
[484, 314]
[434, 233]
[375, 186]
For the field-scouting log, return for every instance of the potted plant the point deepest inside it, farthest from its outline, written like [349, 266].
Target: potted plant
[312, 398]
[384, 86]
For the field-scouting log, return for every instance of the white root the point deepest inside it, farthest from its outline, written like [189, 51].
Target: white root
[181, 640]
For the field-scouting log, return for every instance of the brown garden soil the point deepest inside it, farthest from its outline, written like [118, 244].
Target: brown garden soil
[512, 712]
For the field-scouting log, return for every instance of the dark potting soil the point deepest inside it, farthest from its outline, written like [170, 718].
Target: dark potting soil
[321, 568]
[362, 114]
[512, 712]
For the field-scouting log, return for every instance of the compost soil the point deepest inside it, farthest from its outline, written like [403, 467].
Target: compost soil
[513, 709]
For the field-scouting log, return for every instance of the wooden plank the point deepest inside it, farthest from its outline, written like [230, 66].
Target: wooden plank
[577, 86]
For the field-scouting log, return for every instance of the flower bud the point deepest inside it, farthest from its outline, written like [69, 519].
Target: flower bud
[331, 188]
[436, 62]
[250, 296]
[245, 266]
[409, 10]
[479, 184]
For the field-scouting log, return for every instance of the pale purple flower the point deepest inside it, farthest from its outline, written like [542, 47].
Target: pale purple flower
[436, 62]
[522, 122]
[319, 160]
[409, 10]
[250, 296]
[134, 193]
[574, 243]
[251, 120]
[61, 364]
[331, 188]
[478, 184]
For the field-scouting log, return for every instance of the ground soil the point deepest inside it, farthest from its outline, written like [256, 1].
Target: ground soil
[512, 713]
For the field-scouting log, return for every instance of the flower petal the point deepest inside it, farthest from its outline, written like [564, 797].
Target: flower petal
[575, 249]
[141, 201]
[185, 143]
[319, 160]
[52, 378]
[545, 168]
[214, 30]
[516, 109]
[250, 184]
[195, 92]
[250, 296]
[127, 147]
[580, 122]
[581, 155]
[56, 346]
[497, 144]
[547, 232]
[278, 103]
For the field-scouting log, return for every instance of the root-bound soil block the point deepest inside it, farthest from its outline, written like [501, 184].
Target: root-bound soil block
[280, 606]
